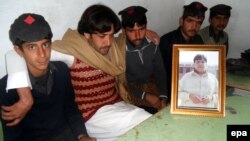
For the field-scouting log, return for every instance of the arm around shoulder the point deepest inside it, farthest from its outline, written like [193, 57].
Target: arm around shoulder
[17, 78]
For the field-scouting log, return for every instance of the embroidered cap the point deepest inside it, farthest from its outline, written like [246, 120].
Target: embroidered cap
[133, 13]
[195, 9]
[29, 27]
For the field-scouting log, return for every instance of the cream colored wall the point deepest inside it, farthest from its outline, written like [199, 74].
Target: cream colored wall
[238, 26]
[162, 16]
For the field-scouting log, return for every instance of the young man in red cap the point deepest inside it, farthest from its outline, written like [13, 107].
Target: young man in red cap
[144, 65]
[218, 19]
[190, 23]
[54, 114]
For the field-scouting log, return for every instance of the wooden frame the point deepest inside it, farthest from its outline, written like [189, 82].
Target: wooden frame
[211, 98]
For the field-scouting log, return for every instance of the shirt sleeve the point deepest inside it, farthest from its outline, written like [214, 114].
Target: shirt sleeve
[58, 56]
[215, 91]
[182, 94]
[18, 76]
[17, 71]
[160, 74]
[137, 92]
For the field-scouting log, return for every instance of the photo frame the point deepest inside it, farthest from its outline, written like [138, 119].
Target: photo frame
[198, 80]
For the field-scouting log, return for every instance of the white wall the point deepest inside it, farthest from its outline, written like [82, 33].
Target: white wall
[238, 26]
[162, 16]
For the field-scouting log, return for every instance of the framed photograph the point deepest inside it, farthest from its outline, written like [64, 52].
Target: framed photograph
[198, 80]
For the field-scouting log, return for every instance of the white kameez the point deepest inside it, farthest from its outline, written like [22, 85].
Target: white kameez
[112, 121]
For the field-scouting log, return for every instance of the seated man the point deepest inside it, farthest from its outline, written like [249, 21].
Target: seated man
[97, 69]
[198, 88]
[189, 24]
[54, 115]
[218, 19]
[144, 65]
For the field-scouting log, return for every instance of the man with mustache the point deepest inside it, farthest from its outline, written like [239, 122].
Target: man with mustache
[203, 89]
[190, 23]
[218, 19]
[144, 65]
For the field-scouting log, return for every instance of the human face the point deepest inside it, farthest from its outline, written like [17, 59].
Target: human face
[36, 55]
[190, 26]
[101, 42]
[200, 66]
[219, 22]
[136, 34]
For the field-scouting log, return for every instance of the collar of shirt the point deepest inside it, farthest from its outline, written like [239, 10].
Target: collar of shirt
[44, 83]
[130, 46]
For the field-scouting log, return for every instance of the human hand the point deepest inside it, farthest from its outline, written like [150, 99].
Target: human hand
[164, 103]
[153, 100]
[16, 112]
[153, 36]
[205, 101]
[194, 98]
[85, 138]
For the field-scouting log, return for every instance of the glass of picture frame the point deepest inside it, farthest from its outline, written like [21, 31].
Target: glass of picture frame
[198, 80]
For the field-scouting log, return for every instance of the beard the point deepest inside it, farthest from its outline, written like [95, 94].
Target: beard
[102, 50]
[188, 33]
[136, 43]
[191, 33]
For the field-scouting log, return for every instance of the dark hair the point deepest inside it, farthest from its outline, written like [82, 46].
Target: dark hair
[142, 20]
[19, 42]
[193, 13]
[200, 57]
[213, 14]
[98, 18]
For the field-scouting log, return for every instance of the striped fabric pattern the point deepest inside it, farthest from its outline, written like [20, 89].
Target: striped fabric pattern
[93, 88]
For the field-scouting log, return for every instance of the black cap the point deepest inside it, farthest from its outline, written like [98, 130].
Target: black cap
[220, 9]
[29, 27]
[200, 57]
[195, 9]
[133, 13]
